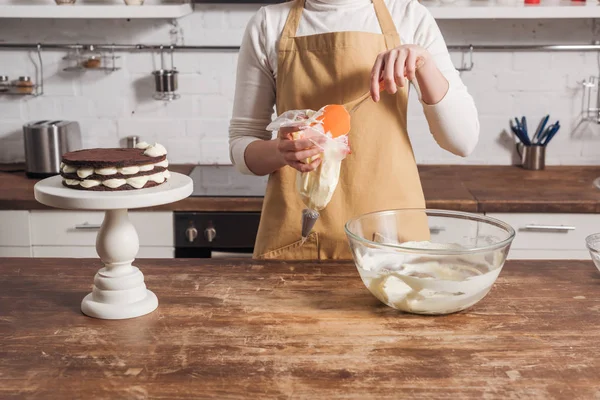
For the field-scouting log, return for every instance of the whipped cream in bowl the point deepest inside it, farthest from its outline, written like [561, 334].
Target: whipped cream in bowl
[428, 261]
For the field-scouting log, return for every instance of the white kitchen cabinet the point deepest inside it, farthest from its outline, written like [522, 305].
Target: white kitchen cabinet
[72, 234]
[14, 228]
[90, 252]
[15, 251]
[550, 236]
[79, 228]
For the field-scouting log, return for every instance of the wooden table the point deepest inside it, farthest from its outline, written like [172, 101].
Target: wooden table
[229, 329]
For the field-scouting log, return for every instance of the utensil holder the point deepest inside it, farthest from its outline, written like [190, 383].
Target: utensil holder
[532, 157]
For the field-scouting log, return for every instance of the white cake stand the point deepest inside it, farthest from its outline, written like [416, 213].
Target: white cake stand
[119, 291]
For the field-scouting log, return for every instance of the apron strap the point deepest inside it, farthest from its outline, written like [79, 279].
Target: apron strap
[286, 42]
[388, 28]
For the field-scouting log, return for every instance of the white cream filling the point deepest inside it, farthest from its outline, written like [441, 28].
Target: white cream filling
[155, 150]
[106, 171]
[84, 172]
[137, 182]
[145, 168]
[142, 145]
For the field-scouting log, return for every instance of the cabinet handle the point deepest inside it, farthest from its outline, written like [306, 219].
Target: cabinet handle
[436, 229]
[556, 228]
[87, 227]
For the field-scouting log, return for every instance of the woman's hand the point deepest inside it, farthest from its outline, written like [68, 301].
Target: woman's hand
[392, 66]
[295, 152]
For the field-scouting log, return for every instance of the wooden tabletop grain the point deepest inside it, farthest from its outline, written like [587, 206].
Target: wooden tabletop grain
[462, 188]
[234, 330]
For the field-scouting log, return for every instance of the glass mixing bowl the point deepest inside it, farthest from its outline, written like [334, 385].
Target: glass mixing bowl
[593, 245]
[428, 261]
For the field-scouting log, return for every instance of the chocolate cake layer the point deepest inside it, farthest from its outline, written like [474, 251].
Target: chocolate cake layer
[97, 177]
[102, 188]
[103, 158]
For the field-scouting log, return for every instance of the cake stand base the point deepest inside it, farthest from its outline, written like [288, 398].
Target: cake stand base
[95, 309]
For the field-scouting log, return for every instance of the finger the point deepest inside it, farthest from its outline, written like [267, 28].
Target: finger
[301, 155]
[400, 68]
[388, 72]
[411, 65]
[286, 131]
[376, 77]
[295, 145]
[302, 167]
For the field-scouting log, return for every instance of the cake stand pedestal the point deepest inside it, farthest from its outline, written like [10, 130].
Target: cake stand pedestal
[119, 290]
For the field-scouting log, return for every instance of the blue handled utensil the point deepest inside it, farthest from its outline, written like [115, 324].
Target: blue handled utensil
[540, 130]
[517, 131]
[524, 128]
[551, 133]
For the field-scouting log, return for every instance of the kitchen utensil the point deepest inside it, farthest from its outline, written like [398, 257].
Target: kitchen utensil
[593, 244]
[452, 271]
[165, 80]
[549, 133]
[45, 143]
[520, 132]
[540, 129]
[532, 157]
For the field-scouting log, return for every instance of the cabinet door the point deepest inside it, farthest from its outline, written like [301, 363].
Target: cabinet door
[79, 228]
[550, 236]
[14, 228]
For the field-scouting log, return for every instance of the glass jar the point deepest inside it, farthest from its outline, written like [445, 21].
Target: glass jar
[24, 85]
[4, 84]
[91, 58]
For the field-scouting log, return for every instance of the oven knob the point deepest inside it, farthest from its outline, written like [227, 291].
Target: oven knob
[210, 234]
[191, 234]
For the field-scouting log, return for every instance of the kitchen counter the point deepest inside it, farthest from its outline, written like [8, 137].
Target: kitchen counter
[243, 329]
[462, 188]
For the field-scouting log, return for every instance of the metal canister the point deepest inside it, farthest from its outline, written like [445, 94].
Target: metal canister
[132, 141]
[4, 84]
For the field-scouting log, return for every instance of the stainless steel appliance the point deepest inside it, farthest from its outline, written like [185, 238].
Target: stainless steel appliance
[45, 142]
[219, 234]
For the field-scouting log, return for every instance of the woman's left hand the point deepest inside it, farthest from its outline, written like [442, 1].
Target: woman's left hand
[394, 65]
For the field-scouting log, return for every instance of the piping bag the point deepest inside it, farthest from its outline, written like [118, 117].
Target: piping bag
[328, 129]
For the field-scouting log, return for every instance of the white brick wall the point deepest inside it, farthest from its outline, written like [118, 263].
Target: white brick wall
[194, 128]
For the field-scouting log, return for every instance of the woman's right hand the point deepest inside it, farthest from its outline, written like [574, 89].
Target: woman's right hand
[295, 152]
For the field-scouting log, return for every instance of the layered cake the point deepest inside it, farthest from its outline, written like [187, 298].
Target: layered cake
[141, 167]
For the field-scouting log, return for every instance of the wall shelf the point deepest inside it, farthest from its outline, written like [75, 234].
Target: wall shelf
[166, 11]
[483, 9]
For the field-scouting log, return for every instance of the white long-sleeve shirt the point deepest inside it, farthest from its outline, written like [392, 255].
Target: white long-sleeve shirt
[453, 121]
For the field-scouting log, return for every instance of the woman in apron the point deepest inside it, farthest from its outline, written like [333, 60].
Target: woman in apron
[309, 53]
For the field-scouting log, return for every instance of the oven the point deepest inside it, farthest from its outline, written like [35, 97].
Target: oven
[212, 234]
[215, 234]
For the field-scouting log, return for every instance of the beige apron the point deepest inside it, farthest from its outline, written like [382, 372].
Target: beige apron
[380, 174]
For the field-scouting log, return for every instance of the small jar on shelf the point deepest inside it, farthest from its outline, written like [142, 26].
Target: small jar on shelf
[24, 85]
[91, 58]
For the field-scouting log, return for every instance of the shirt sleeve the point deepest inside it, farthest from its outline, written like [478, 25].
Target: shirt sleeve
[453, 121]
[254, 93]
